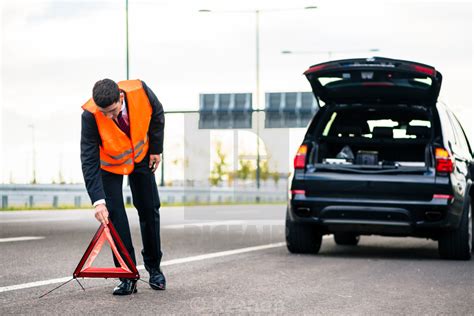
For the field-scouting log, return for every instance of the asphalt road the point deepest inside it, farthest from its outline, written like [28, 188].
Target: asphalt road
[228, 259]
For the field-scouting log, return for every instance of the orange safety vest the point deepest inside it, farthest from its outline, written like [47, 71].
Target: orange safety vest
[118, 152]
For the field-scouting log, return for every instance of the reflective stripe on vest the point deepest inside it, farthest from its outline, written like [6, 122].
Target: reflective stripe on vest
[105, 163]
[129, 151]
[122, 155]
[138, 153]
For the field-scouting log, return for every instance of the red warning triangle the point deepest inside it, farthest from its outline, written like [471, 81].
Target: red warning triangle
[127, 268]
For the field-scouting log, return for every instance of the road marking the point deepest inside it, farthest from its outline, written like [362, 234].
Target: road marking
[141, 267]
[198, 224]
[33, 284]
[20, 238]
[38, 220]
[217, 254]
[228, 223]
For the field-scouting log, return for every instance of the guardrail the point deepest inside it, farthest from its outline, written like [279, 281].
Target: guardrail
[55, 195]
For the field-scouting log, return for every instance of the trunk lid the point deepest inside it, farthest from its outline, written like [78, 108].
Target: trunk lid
[376, 80]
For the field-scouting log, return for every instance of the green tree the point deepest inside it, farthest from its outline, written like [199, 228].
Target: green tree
[219, 169]
[276, 177]
[245, 169]
[264, 170]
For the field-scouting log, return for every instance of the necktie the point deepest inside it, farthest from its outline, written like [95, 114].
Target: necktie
[123, 124]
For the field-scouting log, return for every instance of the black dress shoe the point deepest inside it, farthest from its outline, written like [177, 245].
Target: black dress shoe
[157, 279]
[126, 287]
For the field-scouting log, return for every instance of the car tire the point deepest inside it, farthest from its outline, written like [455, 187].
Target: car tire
[346, 239]
[457, 244]
[302, 238]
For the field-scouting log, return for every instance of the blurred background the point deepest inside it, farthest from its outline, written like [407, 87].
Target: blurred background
[193, 53]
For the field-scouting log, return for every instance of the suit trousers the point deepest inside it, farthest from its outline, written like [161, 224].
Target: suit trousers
[147, 202]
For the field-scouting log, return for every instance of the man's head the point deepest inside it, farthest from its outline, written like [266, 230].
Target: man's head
[108, 97]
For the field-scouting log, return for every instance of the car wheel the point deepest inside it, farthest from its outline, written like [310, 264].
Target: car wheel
[346, 239]
[302, 238]
[457, 244]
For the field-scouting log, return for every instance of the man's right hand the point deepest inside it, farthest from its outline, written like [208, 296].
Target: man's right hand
[102, 214]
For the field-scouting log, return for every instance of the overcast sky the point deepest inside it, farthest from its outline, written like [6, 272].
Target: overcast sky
[52, 52]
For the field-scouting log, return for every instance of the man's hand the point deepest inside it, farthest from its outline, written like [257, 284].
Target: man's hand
[102, 214]
[154, 162]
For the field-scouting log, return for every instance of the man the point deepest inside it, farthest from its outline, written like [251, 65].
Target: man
[122, 134]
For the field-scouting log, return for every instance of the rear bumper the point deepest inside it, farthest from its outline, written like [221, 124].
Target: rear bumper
[381, 217]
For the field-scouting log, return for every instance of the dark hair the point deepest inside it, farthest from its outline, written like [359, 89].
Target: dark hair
[105, 93]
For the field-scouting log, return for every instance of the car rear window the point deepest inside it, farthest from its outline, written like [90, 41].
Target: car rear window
[338, 79]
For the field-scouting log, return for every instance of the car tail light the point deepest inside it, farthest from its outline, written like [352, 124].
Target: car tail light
[300, 158]
[444, 161]
[443, 196]
[315, 68]
[426, 70]
[294, 192]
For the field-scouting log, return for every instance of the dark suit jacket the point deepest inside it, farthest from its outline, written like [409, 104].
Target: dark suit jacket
[90, 141]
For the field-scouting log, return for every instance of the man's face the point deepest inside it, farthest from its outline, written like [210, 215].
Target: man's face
[113, 110]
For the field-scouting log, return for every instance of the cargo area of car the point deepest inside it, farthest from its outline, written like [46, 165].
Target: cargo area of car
[373, 138]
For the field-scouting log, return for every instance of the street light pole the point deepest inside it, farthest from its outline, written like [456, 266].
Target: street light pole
[127, 64]
[162, 182]
[126, 37]
[257, 91]
[32, 126]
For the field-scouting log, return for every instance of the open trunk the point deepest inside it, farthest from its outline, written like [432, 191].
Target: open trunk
[375, 136]
[373, 139]
[372, 152]
[371, 157]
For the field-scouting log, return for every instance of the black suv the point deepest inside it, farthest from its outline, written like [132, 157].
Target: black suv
[381, 156]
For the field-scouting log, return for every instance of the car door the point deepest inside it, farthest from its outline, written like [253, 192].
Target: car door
[468, 149]
[461, 154]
